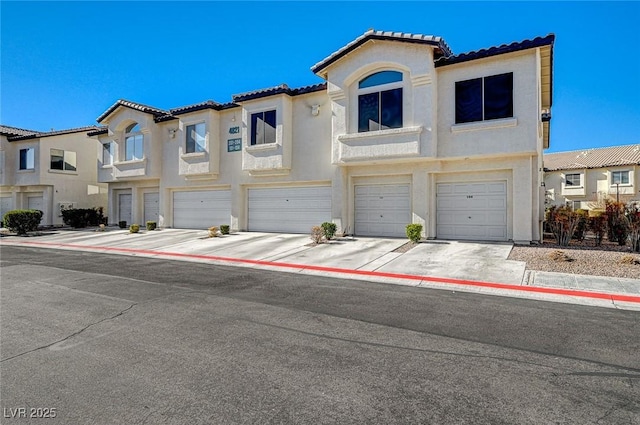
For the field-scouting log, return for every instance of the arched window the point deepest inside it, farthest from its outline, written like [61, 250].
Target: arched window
[380, 101]
[133, 142]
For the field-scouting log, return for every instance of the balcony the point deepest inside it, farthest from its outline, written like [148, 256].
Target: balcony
[379, 145]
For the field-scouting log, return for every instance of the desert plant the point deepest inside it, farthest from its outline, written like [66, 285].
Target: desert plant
[317, 234]
[563, 222]
[559, 255]
[329, 230]
[213, 231]
[630, 260]
[122, 224]
[616, 226]
[224, 229]
[632, 222]
[581, 227]
[100, 228]
[414, 232]
[22, 221]
[151, 225]
[597, 223]
[134, 228]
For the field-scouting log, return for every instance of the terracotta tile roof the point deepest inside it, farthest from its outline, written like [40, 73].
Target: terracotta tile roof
[7, 130]
[281, 89]
[593, 158]
[208, 104]
[156, 112]
[40, 134]
[442, 49]
[496, 50]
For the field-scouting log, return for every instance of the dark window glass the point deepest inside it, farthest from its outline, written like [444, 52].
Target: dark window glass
[57, 159]
[263, 127]
[368, 108]
[27, 159]
[498, 96]
[469, 101]
[196, 138]
[391, 108]
[379, 78]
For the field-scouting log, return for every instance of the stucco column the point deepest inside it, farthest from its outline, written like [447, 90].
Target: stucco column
[136, 207]
[419, 209]
[522, 205]
[238, 220]
[339, 199]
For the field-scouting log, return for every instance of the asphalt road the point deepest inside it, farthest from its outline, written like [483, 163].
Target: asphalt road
[105, 339]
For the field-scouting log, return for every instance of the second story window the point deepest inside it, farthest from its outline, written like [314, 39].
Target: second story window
[27, 159]
[107, 153]
[572, 180]
[380, 101]
[486, 98]
[263, 128]
[195, 138]
[63, 160]
[619, 177]
[133, 143]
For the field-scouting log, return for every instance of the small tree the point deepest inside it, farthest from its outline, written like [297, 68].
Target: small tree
[598, 225]
[632, 221]
[581, 228]
[563, 222]
[616, 225]
[22, 221]
[414, 232]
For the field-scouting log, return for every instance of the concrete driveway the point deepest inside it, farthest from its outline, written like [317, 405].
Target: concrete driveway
[447, 259]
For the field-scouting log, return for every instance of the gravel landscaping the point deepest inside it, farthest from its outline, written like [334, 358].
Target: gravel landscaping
[580, 258]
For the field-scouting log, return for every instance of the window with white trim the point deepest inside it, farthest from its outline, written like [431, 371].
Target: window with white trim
[27, 159]
[133, 143]
[573, 180]
[107, 153]
[620, 177]
[195, 138]
[486, 98]
[263, 127]
[63, 160]
[380, 101]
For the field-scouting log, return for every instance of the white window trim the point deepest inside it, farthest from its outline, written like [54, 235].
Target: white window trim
[569, 186]
[262, 146]
[123, 157]
[485, 125]
[378, 89]
[195, 154]
[629, 173]
[64, 156]
[113, 158]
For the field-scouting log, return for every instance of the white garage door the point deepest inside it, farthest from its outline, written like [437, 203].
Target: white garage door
[289, 210]
[35, 203]
[472, 211]
[6, 205]
[382, 210]
[201, 209]
[151, 208]
[124, 207]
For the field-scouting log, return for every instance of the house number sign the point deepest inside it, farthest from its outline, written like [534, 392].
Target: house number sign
[234, 130]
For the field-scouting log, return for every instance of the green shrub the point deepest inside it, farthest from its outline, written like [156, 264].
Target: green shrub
[134, 228]
[414, 232]
[151, 225]
[616, 227]
[22, 221]
[632, 221]
[82, 217]
[224, 229]
[329, 230]
[122, 224]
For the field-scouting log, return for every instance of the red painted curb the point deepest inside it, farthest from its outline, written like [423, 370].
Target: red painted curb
[476, 283]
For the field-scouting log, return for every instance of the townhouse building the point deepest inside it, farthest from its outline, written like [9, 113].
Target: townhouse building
[402, 130]
[49, 171]
[583, 179]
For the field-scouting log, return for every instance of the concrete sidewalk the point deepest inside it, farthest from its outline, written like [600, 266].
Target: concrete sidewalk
[452, 265]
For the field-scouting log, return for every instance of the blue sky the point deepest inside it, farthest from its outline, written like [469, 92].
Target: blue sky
[64, 63]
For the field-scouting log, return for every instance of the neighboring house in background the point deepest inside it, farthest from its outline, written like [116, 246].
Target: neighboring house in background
[49, 171]
[584, 178]
[403, 131]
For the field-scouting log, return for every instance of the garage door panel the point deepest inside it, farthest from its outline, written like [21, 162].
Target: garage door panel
[475, 210]
[151, 206]
[291, 210]
[201, 209]
[382, 210]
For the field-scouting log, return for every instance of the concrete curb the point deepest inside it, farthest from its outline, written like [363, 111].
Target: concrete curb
[631, 301]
